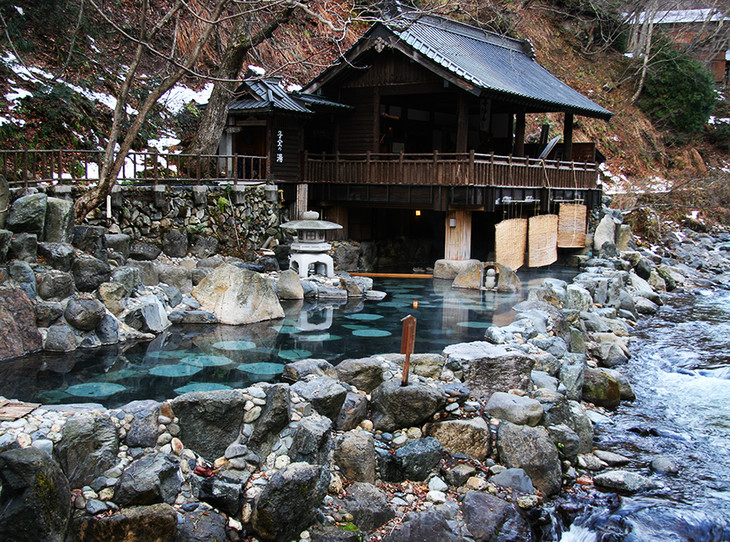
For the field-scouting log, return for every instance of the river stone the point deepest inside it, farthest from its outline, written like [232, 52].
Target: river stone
[645, 306]
[238, 296]
[299, 370]
[18, 332]
[354, 410]
[609, 354]
[144, 251]
[324, 393]
[624, 481]
[605, 233]
[209, 421]
[664, 465]
[450, 269]
[28, 214]
[541, 379]
[142, 432]
[147, 314]
[274, 417]
[470, 437]
[23, 276]
[514, 408]
[175, 243]
[192, 317]
[395, 406]
[113, 295]
[90, 239]
[60, 338]
[490, 518]
[365, 374]
[118, 242]
[147, 273]
[516, 479]
[312, 440]
[88, 447]
[221, 493]
[201, 525]
[426, 365]
[531, 449]
[611, 458]
[129, 277]
[578, 298]
[572, 375]
[158, 523]
[35, 498]
[151, 479]
[84, 313]
[59, 222]
[289, 285]
[89, 273]
[355, 456]
[418, 458]
[427, 526]
[55, 285]
[24, 246]
[176, 275]
[566, 440]
[601, 389]
[46, 313]
[367, 504]
[490, 368]
[288, 504]
[472, 277]
[203, 246]
[58, 255]
[626, 390]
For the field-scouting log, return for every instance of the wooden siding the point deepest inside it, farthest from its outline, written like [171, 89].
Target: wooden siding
[392, 69]
[286, 149]
[357, 131]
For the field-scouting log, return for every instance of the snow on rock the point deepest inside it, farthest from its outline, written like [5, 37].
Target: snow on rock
[176, 98]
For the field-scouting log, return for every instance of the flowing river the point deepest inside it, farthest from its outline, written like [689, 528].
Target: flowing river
[680, 371]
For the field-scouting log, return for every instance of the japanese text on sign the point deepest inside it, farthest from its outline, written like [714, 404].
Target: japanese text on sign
[279, 147]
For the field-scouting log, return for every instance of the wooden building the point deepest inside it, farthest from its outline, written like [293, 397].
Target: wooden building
[418, 131]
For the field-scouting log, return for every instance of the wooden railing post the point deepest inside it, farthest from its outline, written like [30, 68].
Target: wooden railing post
[156, 174]
[470, 178]
[198, 169]
[234, 169]
[369, 167]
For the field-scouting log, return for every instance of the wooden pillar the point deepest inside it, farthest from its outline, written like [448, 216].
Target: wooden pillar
[568, 137]
[462, 123]
[519, 149]
[458, 235]
[302, 201]
[376, 120]
[338, 215]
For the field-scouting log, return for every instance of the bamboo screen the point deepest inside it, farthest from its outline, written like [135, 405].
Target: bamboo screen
[510, 241]
[542, 240]
[572, 226]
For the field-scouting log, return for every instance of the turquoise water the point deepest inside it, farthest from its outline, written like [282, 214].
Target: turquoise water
[209, 357]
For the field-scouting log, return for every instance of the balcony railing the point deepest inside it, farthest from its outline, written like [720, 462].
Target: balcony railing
[31, 167]
[448, 169]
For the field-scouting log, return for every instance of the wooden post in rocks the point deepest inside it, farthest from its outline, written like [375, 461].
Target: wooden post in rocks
[408, 341]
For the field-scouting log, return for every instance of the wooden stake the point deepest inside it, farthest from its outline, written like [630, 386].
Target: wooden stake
[408, 341]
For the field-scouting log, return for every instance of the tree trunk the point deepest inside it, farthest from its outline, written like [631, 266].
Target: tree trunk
[214, 116]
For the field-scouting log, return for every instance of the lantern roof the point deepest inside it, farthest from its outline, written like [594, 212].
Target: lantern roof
[310, 221]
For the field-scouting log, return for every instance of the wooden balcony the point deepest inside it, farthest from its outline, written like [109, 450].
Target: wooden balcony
[449, 170]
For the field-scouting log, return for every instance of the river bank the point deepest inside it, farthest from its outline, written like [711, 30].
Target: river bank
[481, 439]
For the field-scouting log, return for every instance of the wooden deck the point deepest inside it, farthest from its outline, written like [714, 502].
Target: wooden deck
[441, 169]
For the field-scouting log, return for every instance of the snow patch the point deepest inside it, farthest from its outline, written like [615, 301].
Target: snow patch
[258, 70]
[15, 95]
[20, 10]
[178, 96]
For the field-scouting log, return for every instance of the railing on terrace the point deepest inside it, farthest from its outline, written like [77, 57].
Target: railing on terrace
[31, 167]
[448, 169]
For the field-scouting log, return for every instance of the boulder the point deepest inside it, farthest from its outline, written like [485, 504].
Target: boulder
[274, 417]
[24, 246]
[47, 313]
[426, 365]
[192, 317]
[55, 285]
[324, 393]
[5, 238]
[151, 479]
[146, 274]
[201, 525]
[367, 504]
[175, 243]
[354, 410]
[626, 390]
[605, 232]
[395, 406]
[516, 479]
[418, 458]
[299, 370]
[470, 437]
[89, 273]
[428, 525]
[22, 274]
[222, 493]
[449, 269]
[142, 432]
[28, 214]
[113, 295]
[203, 246]
[346, 257]
[601, 389]
[147, 314]
[624, 481]
[108, 330]
[472, 278]
[355, 286]
[58, 255]
[88, 447]
[18, 332]
[84, 313]
[238, 296]
[144, 251]
[514, 408]
[572, 375]
[312, 442]
[176, 275]
[130, 278]
[290, 285]
[209, 421]
[60, 338]
[288, 504]
[59, 225]
[90, 239]
[119, 243]
[582, 425]
[566, 440]
[158, 522]
[531, 449]
[490, 368]
[365, 374]
[355, 456]
[35, 498]
[490, 518]
[577, 298]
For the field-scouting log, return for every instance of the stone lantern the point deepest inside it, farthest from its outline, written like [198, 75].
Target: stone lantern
[309, 249]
